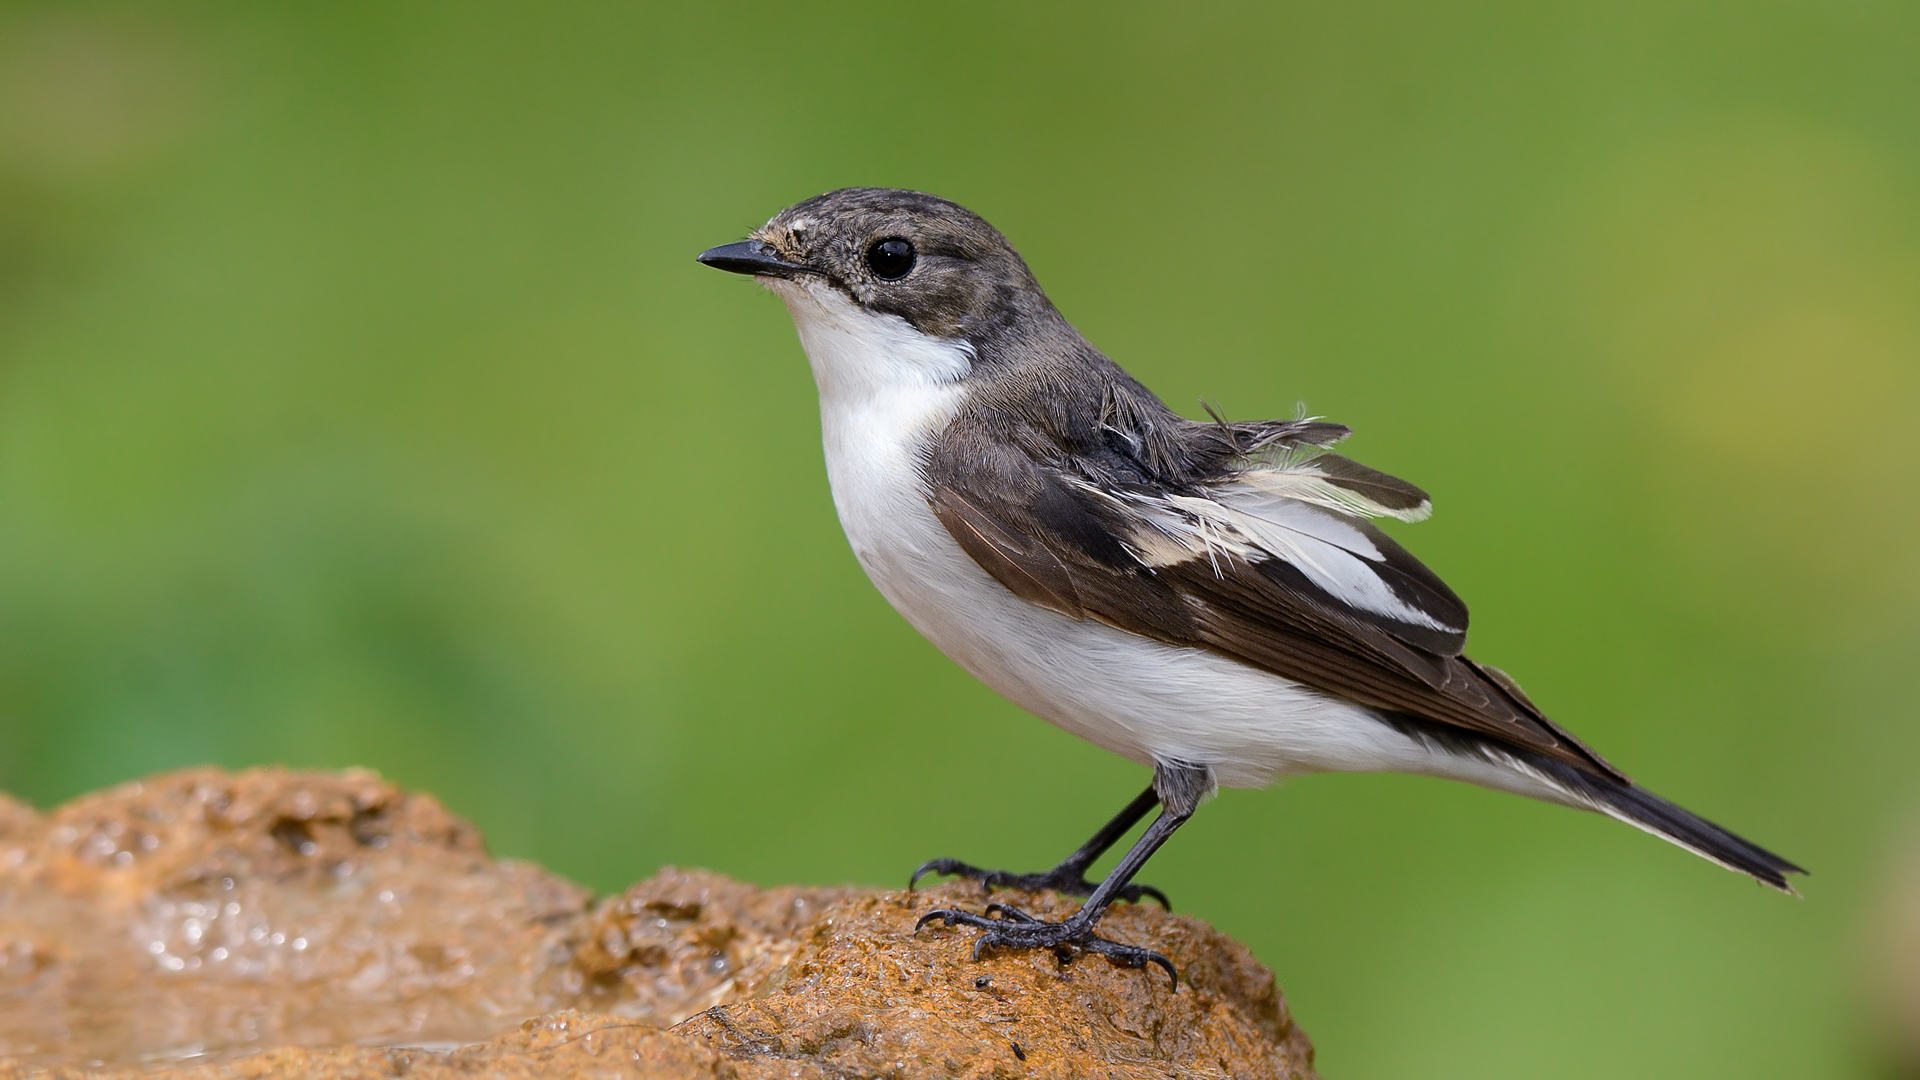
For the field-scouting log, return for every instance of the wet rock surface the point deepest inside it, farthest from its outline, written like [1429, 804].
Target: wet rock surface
[271, 923]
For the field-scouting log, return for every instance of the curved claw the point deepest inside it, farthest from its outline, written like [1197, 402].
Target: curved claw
[1012, 914]
[1009, 927]
[1131, 956]
[1127, 956]
[943, 867]
[958, 917]
[1060, 879]
[946, 915]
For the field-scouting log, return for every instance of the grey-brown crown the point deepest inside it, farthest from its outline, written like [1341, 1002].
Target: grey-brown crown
[964, 276]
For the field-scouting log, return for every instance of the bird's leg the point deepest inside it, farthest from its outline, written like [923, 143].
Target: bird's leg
[1180, 788]
[1070, 876]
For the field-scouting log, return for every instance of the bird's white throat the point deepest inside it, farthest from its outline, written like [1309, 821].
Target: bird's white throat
[886, 389]
[857, 354]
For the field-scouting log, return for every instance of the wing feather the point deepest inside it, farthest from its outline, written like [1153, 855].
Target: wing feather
[1302, 586]
[1332, 482]
[1348, 562]
[1025, 566]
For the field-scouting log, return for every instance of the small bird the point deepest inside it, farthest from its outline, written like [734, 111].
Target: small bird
[1206, 598]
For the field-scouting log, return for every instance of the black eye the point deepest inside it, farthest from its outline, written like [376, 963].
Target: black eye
[890, 259]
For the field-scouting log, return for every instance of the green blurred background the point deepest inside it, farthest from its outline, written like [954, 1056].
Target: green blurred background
[361, 404]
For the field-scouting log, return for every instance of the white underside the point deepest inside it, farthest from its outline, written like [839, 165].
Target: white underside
[885, 390]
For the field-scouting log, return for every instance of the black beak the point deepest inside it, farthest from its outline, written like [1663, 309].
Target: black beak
[750, 257]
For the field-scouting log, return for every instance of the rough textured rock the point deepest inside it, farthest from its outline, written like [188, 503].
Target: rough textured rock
[289, 924]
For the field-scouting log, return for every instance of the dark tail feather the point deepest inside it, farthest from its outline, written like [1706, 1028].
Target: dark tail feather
[1643, 809]
[1616, 798]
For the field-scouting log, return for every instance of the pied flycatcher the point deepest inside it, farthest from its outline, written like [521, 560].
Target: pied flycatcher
[1205, 598]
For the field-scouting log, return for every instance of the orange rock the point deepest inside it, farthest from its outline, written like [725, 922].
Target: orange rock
[271, 923]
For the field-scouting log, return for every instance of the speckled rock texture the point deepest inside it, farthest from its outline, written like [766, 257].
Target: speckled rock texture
[280, 924]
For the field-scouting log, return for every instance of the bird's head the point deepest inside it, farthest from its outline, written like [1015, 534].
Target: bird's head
[933, 264]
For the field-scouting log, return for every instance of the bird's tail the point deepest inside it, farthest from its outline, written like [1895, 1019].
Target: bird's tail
[1644, 810]
[1614, 796]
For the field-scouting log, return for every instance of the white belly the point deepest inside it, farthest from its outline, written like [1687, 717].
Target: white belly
[1137, 697]
[885, 390]
[1134, 696]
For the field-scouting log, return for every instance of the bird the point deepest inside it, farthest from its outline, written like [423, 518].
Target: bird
[1207, 598]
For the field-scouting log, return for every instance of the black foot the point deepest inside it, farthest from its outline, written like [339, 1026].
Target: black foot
[1062, 879]
[1015, 929]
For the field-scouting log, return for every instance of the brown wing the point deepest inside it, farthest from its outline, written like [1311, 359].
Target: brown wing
[1053, 540]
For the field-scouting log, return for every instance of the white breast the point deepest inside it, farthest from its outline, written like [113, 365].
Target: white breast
[885, 391]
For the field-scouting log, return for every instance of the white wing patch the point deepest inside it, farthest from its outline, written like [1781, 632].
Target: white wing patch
[1307, 474]
[1292, 507]
[1330, 551]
